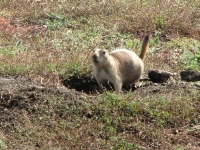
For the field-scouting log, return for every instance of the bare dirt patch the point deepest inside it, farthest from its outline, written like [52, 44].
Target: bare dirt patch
[16, 26]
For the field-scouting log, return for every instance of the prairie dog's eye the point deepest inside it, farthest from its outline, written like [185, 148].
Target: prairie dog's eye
[104, 52]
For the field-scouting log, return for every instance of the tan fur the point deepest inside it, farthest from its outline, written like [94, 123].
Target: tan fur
[120, 67]
[144, 47]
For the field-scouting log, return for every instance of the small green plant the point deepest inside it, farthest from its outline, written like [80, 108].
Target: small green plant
[53, 21]
[191, 55]
[179, 148]
[159, 22]
[191, 60]
[158, 111]
[123, 145]
[2, 143]
[130, 109]
[13, 49]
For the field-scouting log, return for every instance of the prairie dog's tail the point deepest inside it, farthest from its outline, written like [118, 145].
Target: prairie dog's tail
[144, 47]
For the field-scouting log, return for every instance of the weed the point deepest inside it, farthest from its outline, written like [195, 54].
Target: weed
[159, 22]
[14, 49]
[13, 70]
[131, 108]
[190, 56]
[2, 143]
[53, 21]
[179, 148]
[124, 145]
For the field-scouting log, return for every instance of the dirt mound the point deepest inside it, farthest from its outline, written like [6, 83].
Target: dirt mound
[190, 76]
[10, 27]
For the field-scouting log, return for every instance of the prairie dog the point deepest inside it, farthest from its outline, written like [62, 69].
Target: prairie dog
[120, 67]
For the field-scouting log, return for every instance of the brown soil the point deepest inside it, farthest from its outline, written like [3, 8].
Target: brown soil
[16, 26]
[18, 93]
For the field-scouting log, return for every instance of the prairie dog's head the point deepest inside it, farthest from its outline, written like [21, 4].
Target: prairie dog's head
[100, 56]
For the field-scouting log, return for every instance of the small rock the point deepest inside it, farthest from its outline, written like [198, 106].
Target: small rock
[190, 76]
[159, 76]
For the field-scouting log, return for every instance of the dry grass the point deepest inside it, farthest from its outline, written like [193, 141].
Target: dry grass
[48, 30]
[50, 40]
[180, 17]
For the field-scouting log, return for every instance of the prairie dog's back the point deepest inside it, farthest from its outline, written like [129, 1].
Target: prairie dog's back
[129, 64]
[124, 54]
[126, 57]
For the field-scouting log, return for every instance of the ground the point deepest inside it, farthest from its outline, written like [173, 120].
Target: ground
[20, 93]
[43, 106]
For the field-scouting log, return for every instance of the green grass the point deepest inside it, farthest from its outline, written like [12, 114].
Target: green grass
[77, 28]
[64, 36]
[116, 122]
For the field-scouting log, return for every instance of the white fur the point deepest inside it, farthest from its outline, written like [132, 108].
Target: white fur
[120, 67]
